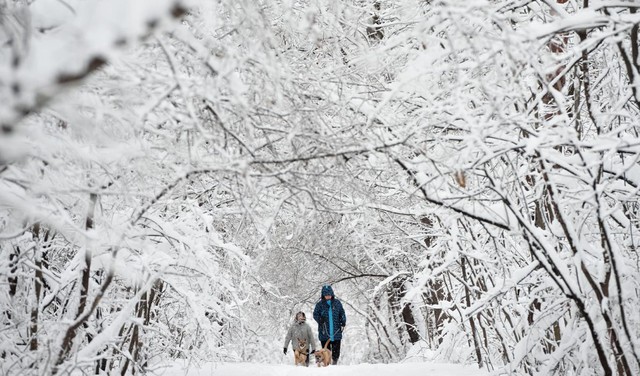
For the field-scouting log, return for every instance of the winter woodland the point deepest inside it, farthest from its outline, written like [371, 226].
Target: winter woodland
[179, 177]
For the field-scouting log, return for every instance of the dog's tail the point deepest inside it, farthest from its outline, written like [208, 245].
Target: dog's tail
[327, 344]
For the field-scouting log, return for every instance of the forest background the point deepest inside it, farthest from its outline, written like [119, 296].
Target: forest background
[178, 178]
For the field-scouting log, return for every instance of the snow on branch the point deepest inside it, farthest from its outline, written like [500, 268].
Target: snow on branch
[48, 46]
[584, 19]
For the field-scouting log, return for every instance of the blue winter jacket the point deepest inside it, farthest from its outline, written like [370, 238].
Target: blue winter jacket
[323, 311]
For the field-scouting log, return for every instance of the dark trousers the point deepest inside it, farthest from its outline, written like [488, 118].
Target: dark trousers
[335, 350]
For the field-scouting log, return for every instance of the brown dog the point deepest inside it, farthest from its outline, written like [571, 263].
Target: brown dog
[300, 354]
[323, 356]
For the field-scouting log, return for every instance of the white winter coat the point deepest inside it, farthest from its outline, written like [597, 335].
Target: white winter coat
[302, 331]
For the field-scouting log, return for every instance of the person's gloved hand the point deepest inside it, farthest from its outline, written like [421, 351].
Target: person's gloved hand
[284, 350]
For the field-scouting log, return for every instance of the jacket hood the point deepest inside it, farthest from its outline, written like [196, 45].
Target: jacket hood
[326, 290]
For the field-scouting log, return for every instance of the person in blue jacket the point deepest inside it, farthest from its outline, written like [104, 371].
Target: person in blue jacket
[331, 320]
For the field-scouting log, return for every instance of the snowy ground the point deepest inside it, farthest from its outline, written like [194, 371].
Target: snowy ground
[402, 369]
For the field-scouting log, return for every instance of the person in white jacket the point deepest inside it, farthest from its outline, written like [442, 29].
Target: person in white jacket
[300, 330]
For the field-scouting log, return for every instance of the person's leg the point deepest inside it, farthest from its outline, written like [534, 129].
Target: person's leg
[335, 351]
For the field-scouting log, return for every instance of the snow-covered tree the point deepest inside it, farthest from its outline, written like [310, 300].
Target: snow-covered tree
[178, 178]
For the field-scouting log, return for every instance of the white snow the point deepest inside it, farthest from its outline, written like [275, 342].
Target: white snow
[254, 369]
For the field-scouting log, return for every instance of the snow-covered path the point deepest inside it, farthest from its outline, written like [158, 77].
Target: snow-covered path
[403, 369]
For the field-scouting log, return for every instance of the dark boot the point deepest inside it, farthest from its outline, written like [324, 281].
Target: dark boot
[334, 361]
